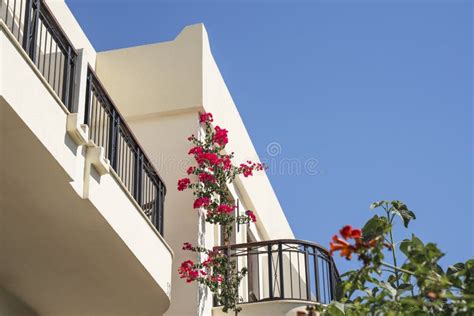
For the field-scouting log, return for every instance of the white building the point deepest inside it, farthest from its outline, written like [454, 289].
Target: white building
[85, 228]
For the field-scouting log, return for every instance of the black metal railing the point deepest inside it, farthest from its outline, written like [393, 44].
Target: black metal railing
[36, 29]
[285, 270]
[42, 38]
[109, 130]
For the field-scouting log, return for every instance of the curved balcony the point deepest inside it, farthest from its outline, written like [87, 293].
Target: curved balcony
[289, 274]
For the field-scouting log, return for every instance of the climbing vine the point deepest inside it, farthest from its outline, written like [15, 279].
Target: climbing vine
[209, 178]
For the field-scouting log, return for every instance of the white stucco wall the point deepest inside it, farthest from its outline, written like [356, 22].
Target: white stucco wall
[181, 76]
[72, 29]
[11, 305]
[166, 86]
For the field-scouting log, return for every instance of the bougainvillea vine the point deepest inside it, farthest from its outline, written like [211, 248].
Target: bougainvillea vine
[209, 178]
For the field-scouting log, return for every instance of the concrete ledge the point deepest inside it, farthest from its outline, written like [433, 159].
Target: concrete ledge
[78, 132]
[287, 307]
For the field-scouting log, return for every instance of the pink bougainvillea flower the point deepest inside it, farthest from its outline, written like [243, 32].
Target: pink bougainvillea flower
[210, 158]
[201, 202]
[226, 162]
[187, 246]
[183, 184]
[220, 136]
[252, 216]
[187, 271]
[206, 117]
[216, 278]
[190, 170]
[195, 150]
[206, 177]
[208, 262]
[246, 170]
[224, 208]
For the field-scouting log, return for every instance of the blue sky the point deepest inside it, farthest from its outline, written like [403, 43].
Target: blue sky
[378, 93]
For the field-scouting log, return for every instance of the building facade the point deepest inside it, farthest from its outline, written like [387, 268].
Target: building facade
[92, 145]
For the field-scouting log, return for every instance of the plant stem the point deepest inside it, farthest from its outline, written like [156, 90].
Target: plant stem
[390, 220]
[398, 269]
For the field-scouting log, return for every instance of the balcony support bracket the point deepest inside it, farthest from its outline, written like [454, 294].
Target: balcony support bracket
[96, 158]
[77, 131]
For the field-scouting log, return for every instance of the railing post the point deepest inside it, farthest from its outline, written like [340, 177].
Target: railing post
[270, 271]
[154, 213]
[282, 281]
[161, 209]
[157, 213]
[31, 26]
[27, 24]
[307, 275]
[331, 280]
[67, 76]
[113, 132]
[316, 274]
[138, 176]
[88, 103]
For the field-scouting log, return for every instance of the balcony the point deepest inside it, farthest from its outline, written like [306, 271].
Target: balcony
[81, 204]
[284, 276]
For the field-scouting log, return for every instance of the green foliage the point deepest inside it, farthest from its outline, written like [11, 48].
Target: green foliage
[419, 286]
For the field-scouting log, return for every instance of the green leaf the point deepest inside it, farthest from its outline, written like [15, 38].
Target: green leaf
[376, 226]
[402, 210]
[388, 287]
[336, 309]
[455, 268]
[392, 279]
[404, 287]
[377, 204]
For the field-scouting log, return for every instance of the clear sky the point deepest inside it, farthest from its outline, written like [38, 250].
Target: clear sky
[373, 99]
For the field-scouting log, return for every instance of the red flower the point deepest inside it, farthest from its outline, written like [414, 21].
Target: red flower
[183, 184]
[252, 216]
[208, 262]
[187, 271]
[346, 232]
[195, 150]
[210, 158]
[206, 177]
[190, 170]
[224, 208]
[206, 117]
[187, 246]
[220, 136]
[226, 162]
[339, 244]
[356, 233]
[246, 170]
[202, 201]
[216, 278]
